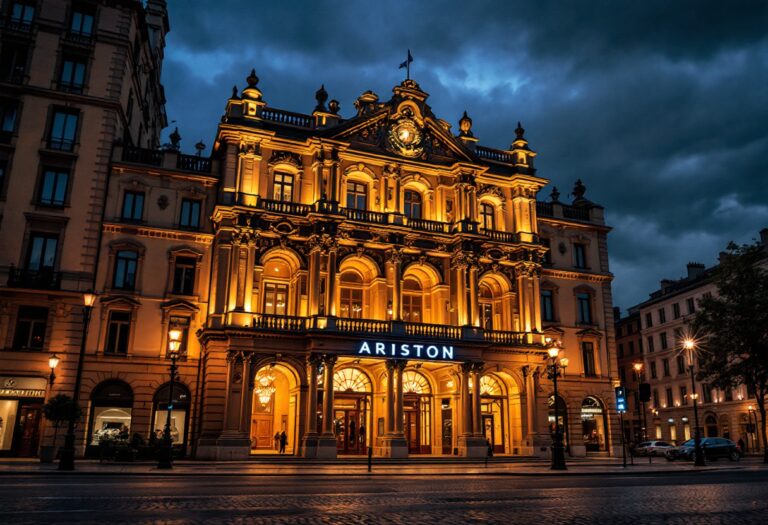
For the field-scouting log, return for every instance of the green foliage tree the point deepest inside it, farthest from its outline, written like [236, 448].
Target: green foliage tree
[733, 326]
[58, 410]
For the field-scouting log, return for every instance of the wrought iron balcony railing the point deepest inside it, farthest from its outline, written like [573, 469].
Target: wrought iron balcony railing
[44, 279]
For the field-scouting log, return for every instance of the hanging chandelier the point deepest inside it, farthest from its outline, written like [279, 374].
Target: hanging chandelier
[265, 385]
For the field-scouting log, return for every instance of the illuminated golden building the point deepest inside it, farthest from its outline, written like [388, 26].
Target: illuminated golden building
[340, 283]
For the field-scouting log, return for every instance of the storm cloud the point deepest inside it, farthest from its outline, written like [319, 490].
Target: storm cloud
[660, 107]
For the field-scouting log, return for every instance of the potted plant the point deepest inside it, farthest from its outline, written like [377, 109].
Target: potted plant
[57, 410]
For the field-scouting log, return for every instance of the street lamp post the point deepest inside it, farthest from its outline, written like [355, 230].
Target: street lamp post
[638, 368]
[558, 448]
[689, 345]
[53, 362]
[165, 458]
[756, 434]
[67, 461]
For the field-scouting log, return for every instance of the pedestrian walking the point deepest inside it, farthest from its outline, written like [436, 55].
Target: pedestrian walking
[742, 446]
[283, 441]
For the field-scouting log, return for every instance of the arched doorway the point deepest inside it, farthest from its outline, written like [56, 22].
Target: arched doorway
[273, 410]
[593, 424]
[110, 414]
[351, 410]
[710, 425]
[493, 408]
[179, 415]
[562, 416]
[417, 412]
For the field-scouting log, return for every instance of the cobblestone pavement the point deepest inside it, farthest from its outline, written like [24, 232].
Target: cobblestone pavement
[672, 498]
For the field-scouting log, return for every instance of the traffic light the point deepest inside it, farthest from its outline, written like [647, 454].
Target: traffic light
[621, 399]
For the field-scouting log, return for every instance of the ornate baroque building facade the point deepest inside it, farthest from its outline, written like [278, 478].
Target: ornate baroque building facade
[373, 281]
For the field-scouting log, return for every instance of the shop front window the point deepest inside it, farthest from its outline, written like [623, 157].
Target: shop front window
[593, 424]
[178, 414]
[111, 407]
[8, 410]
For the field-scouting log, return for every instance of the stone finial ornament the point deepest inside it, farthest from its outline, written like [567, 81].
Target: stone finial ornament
[175, 138]
[321, 95]
[579, 190]
[234, 92]
[520, 131]
[252, 79]
[554, 196]
[334, 106]
[465, 126]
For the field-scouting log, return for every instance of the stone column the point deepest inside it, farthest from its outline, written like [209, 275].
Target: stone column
[396, 262]
[471, 442]
[466, 407]
[326, 443]
[477, 420]
[234, 442]
[309, 443]
[394, 444]
[473, 315]
[313, 290]
[330, 285]
[251, 262]
[399, 367]
[390, 364]
[234, 276]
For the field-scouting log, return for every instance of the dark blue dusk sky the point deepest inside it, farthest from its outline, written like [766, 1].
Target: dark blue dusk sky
[660, 107]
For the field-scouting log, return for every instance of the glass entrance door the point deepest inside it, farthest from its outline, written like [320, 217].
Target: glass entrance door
[412, 434]
[349, 426]
[29, 429]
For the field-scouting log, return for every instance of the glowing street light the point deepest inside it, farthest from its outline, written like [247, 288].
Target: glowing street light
[555, 369]
[689, 346]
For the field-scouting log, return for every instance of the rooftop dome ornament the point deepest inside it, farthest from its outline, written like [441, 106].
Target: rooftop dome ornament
[175, 139]
[554, 196]
[334, 106]
[321, 95]
[465, 126]
[578, 191]
[234, 93]
[252, 92]
[520, 131]
[200, 147]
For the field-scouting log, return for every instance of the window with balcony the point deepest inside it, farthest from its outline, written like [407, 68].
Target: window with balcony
[412, 301]
[584, 308]
[485, 302]
[184, 276]
[63, 130]
[190, 213]
[8, 113]
[579, 255]
[13, 62]
[21, 16]
[133, 206]
[351, 294]
[53, 186]
[357, 195]
[547, 305]
[487, 216]
[42, 252]
[118, 333]
[72, 75]
[412, 207]
[31, 324]
[275, 299]
[588, 358]
[81, 24]
[283, 187]
[126, 266]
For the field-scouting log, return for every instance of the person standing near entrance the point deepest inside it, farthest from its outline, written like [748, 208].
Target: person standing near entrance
[277, 440]
[283, 441]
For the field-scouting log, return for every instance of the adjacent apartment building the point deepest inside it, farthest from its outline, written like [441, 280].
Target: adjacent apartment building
[376, 280]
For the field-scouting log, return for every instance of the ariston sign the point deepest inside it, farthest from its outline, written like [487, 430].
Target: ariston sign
[406, 350]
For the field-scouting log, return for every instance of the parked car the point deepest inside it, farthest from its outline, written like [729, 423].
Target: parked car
[653, 448]
[713, 447]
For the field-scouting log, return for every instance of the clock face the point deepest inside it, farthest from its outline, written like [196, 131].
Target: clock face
[405, 138]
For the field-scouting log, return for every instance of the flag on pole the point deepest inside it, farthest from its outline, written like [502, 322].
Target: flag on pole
[407, 61]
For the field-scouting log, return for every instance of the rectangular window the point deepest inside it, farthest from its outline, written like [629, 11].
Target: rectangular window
[283, 188]
[126, 264]
[583, 301]
[82, 24]
[648, 320]
[654, 373]
[13, 62]
[72, 76]
[22, 15]
[683, 395]
[631, 347]
[588, 357]
[676, 310]
[180, 323]
[275, 299]
[31, 323]
[8, 112]
[487, 216]
[650, 344]
[133, 206]
[670, 398]
[706, 391]
[63, 130]
[579, 255]
[184, 276]
[547, 306]
[655, 398]
[663, 340]
[118, 332]
[53, 186]
[691, 305]
[42, 251]
[357, 195]
[665, 365]
[662, 316]
[680, 365]
[190, 213]
[620, 350]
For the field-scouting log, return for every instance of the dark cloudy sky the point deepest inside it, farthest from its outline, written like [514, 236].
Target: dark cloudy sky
[660, 107]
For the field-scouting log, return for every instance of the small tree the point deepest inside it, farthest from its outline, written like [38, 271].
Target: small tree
[734, 326]
[58, 410]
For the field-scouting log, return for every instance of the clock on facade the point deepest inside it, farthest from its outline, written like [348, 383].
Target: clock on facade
[405, 138]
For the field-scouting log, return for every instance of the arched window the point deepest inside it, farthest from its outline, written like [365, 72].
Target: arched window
[181, 399]
[111, 404]
[593, 424]
[486, 306]
[277, 274]
[412, 204]
[412, 301]
[351, 292]
[351, 380]
[283, 187]
[490, 386]
[357, 195]
[487, 217]
[710, 423]
[415, 383]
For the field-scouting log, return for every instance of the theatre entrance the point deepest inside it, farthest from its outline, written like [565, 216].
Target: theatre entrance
[349, 419]
[417, 414]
